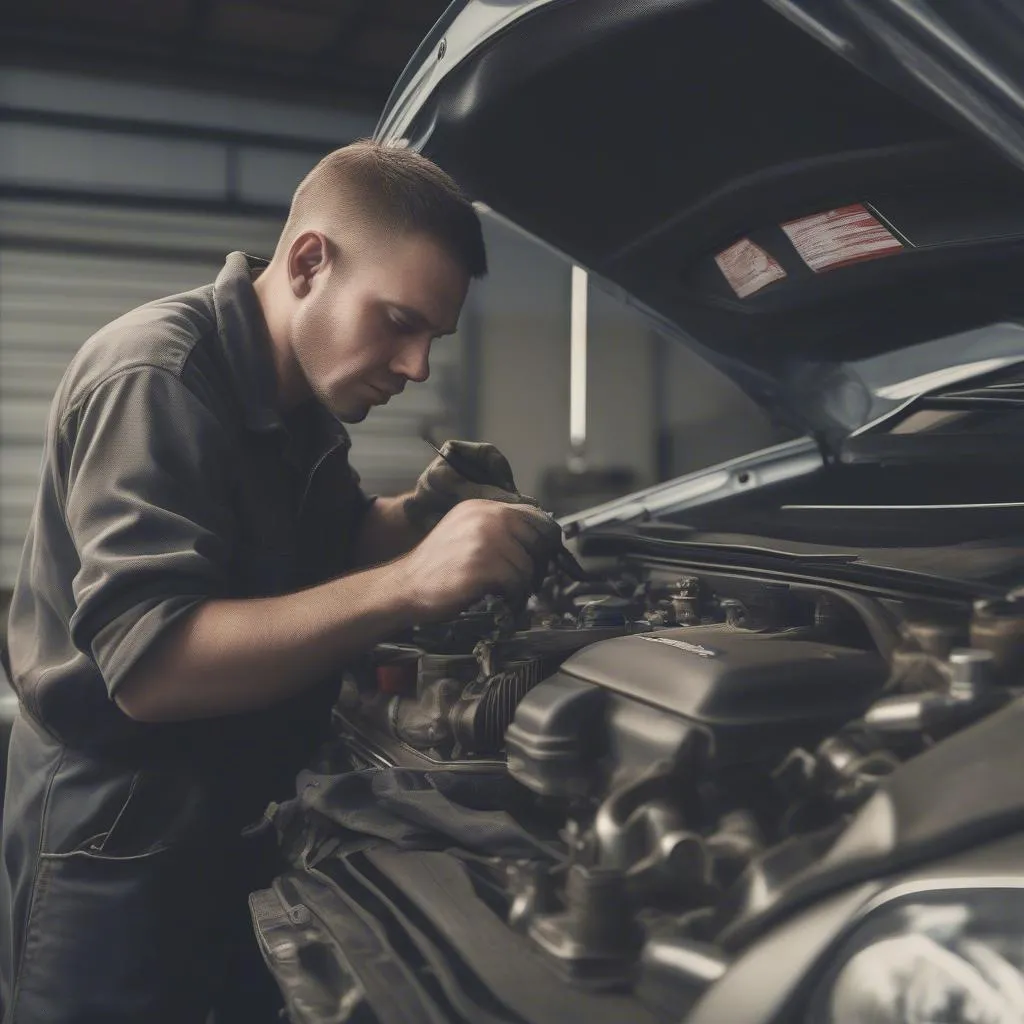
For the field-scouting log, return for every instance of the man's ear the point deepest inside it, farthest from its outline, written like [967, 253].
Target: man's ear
[307, 257]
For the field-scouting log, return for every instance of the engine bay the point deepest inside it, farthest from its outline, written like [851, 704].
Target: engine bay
[686, 743]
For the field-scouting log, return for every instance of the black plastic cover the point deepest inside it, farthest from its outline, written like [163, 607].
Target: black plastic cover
[720, 676]
[634, 700]
[555, 735]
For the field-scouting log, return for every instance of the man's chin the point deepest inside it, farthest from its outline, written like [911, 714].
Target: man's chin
[348, 408]
[350, 414]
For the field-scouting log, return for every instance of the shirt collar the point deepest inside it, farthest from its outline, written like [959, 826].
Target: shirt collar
[245, 342]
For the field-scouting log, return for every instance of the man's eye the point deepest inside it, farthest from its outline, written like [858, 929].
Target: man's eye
[402, 324]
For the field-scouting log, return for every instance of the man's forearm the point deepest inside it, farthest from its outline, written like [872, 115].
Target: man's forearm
[232, 656]
[386, 532]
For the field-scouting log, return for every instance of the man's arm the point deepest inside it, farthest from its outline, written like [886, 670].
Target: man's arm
[231, 656]
[148, 506]
[386, 532]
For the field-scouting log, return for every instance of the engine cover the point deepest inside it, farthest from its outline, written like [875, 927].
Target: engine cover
[634, 698]
[730, 678]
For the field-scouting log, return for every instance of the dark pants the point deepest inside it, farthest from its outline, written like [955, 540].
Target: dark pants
[123, 894]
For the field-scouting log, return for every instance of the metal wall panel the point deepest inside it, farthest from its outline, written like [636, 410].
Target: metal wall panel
[66, 270]
[87, 95]
[40, 155]
[58, 226]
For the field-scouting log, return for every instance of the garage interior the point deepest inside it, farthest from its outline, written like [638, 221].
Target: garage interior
[720, 732]
[140, 142]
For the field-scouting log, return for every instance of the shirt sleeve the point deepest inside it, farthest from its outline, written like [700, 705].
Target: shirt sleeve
[147, 509]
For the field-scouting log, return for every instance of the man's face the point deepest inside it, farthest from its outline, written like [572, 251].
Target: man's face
[366, 326]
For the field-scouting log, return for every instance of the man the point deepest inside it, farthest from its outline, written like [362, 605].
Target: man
[200, 563]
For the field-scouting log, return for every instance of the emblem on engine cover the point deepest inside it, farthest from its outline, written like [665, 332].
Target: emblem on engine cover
[701, 652]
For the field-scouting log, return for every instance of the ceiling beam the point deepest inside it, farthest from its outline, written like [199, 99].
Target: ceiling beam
[335, 75]
[271, 75]
[357, 16]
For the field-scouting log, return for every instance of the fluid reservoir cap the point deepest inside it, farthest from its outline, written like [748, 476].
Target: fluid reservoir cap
[970, 667]
[604, 613]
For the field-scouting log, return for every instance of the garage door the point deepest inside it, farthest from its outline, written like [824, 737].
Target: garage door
[65, 270]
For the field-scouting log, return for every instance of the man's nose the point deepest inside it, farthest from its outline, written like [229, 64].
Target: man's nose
[413, 361]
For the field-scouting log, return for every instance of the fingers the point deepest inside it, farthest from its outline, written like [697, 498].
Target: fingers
[537, 538]
[440, 476]
[521, 524]
[518, 568]
[545, 533]
[483, 546]
[517, 572]
[444, 480]
[516, 541]
[484, 460]
[486, 492]
[465, 470]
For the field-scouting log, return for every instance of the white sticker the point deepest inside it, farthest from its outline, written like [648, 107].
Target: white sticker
[748, 268]
[837, 238]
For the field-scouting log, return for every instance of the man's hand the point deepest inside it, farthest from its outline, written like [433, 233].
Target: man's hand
[463, 471]
[480, 547]
[235, 655]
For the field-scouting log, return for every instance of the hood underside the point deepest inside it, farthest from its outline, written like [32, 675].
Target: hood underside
[783, 209]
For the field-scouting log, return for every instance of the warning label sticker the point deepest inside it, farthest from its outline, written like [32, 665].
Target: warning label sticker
[748, 268]
[837, 238]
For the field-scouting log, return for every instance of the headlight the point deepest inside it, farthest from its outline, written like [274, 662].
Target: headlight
[949, 957]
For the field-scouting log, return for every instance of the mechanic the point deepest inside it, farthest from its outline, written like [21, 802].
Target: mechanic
[200, 563]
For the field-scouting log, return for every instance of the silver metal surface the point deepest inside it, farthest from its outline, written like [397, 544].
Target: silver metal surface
[684, 958]
[758, 985]
[896, 714]
[787, 461]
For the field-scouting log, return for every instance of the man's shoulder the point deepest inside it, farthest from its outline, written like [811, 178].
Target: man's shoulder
[165, 335]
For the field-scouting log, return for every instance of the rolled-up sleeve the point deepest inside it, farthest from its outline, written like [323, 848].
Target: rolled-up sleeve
[145, 464]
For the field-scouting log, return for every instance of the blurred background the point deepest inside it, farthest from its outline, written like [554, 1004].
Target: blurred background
[141, 140]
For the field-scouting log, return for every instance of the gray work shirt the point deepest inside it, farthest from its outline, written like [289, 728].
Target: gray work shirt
[168, 479]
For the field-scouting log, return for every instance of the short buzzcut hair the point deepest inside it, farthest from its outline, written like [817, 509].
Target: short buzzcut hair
[394, 188]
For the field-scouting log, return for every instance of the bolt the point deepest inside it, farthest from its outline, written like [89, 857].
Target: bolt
[970, 670]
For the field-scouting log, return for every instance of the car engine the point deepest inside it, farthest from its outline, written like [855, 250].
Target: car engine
[686, 742]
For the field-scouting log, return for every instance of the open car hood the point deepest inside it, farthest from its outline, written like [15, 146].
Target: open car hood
[796, 188]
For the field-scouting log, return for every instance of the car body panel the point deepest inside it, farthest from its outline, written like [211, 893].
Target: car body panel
[796, 545]
[476, 100]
